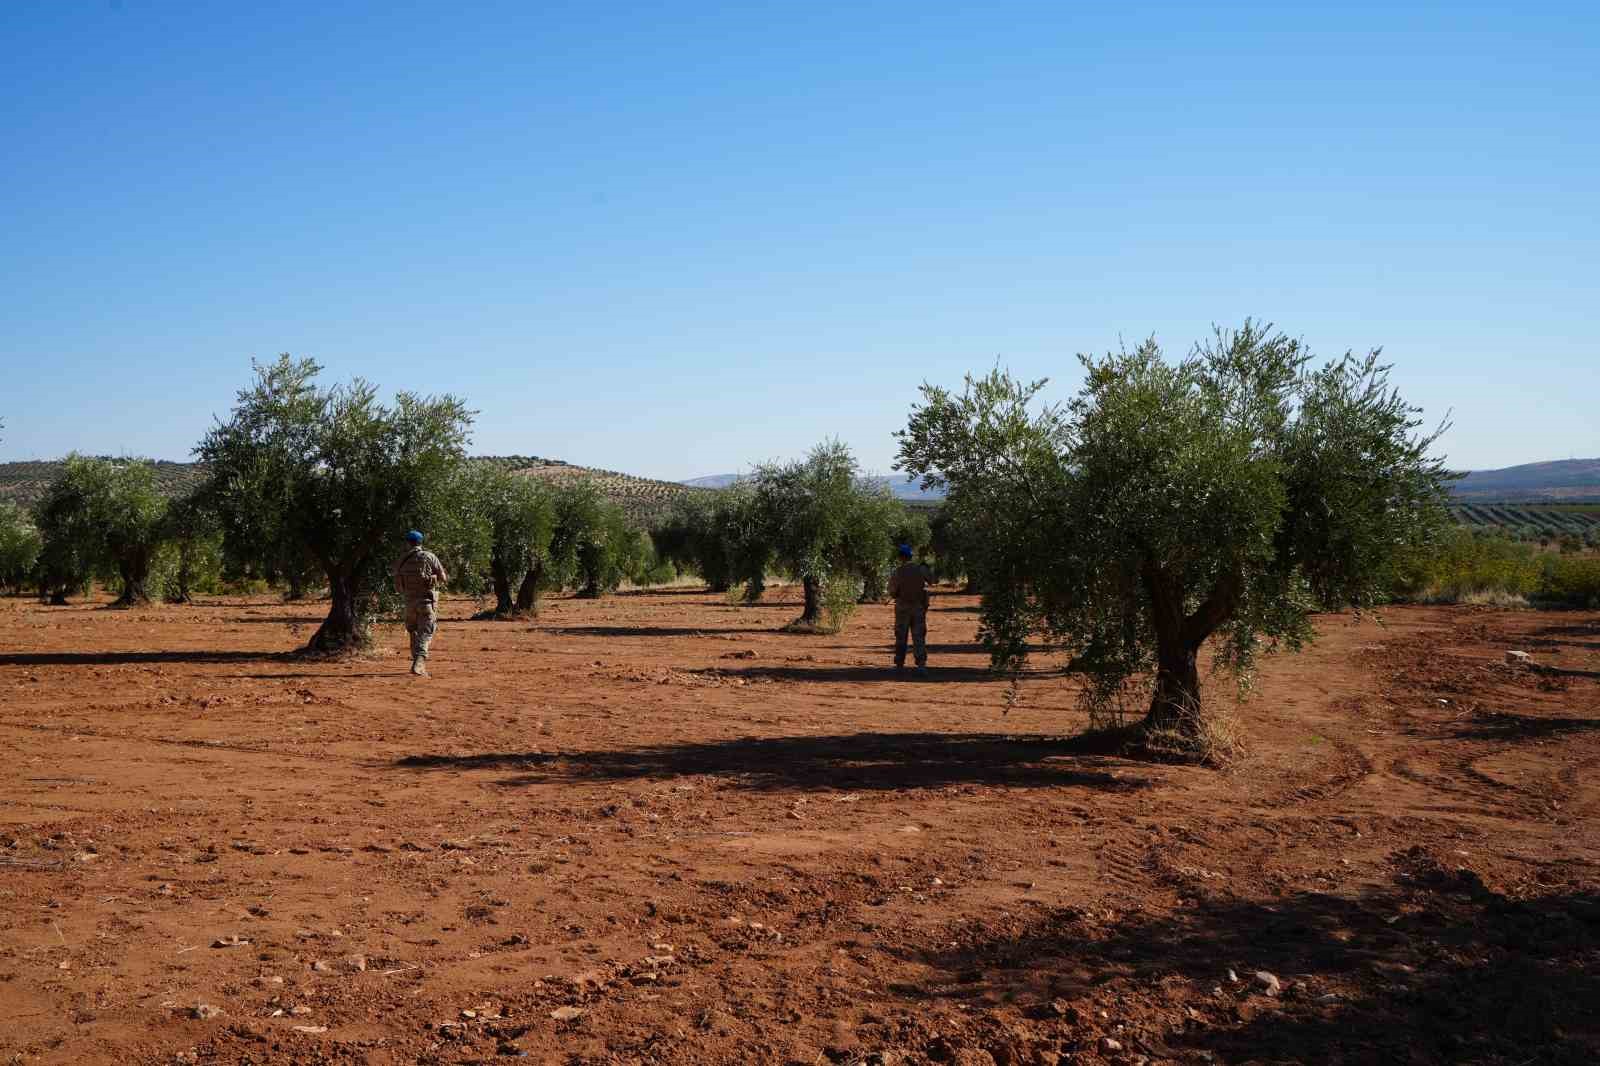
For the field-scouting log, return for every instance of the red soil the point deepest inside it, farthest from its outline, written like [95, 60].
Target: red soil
[720, 843]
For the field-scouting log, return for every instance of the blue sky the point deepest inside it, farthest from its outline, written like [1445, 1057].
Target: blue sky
[676, 239]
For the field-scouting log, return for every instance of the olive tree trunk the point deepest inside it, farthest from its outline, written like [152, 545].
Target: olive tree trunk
[134, 569]
[1175, 707]
[504, 605]
[344, 630]
[184, 575]
[812, 614]
[528, 591]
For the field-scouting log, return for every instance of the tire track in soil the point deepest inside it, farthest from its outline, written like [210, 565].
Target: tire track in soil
[1456, 776]
[1355, 766]
[1447, 765]
[204, 745]
[1568, 783]
[1125, 862]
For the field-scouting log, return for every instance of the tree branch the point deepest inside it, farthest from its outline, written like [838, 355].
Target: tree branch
[1216, 609]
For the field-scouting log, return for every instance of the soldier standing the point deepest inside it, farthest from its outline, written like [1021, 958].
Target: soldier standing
[417, 577]
[909, 587]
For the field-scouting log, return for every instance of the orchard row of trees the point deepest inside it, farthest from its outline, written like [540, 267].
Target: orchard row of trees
[1222, 498]
[312, 486]
[816, 520]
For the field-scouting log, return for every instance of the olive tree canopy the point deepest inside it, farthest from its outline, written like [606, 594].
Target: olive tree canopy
[1225, 496]
[338, 475]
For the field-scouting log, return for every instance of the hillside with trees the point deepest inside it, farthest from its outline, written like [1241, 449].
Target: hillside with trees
[643, 499]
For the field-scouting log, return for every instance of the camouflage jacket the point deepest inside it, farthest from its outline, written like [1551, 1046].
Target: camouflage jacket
[418, 575]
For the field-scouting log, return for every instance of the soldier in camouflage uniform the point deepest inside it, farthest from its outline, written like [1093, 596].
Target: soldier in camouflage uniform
[417, 577]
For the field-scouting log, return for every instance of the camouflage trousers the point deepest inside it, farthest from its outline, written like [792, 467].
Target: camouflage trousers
[912, 622]
[422, 618]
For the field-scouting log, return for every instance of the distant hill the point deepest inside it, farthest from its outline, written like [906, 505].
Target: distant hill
[23, 483]
[1572, 480]
[1562, 479]
[643, 498]
[903, 487]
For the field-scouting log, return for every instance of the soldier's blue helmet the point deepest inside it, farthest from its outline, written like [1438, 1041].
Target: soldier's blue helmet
[905, 551]
[414, 537]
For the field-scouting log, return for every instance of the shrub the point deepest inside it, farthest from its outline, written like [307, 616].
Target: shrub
[841, 592]
[1460, 567]
[1571, 580]
[652, 569]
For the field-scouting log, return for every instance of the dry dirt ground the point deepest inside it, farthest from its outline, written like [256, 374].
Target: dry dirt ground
[654, 829]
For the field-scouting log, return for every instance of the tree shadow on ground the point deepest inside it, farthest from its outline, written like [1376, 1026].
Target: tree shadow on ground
[1497, 725]
[283, 620]
[1589, 629]
[1439, 970]
[648, 631]
[402, 674]
[937, 673]
[119, 658]
[241, 604]
[973, 648]
[1562, 637]
[855, 761]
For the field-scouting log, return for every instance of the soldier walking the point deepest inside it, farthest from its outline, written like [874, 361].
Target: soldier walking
[909, 587]
[417, 577]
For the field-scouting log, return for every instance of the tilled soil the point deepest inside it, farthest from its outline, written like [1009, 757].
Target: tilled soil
[653, 828]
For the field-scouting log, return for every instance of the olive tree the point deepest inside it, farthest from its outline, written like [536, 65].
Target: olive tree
[820, 521]
[194, 541]
[249, 491]
[20, 545]
[949, 537]
[1222, 497]
[595, 545]
[718, 534]
[336, 475]
[101, 515]
[508, 521]
[685, 537]
[885, 522]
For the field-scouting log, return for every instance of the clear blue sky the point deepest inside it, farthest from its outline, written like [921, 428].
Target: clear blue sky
[677, 238]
